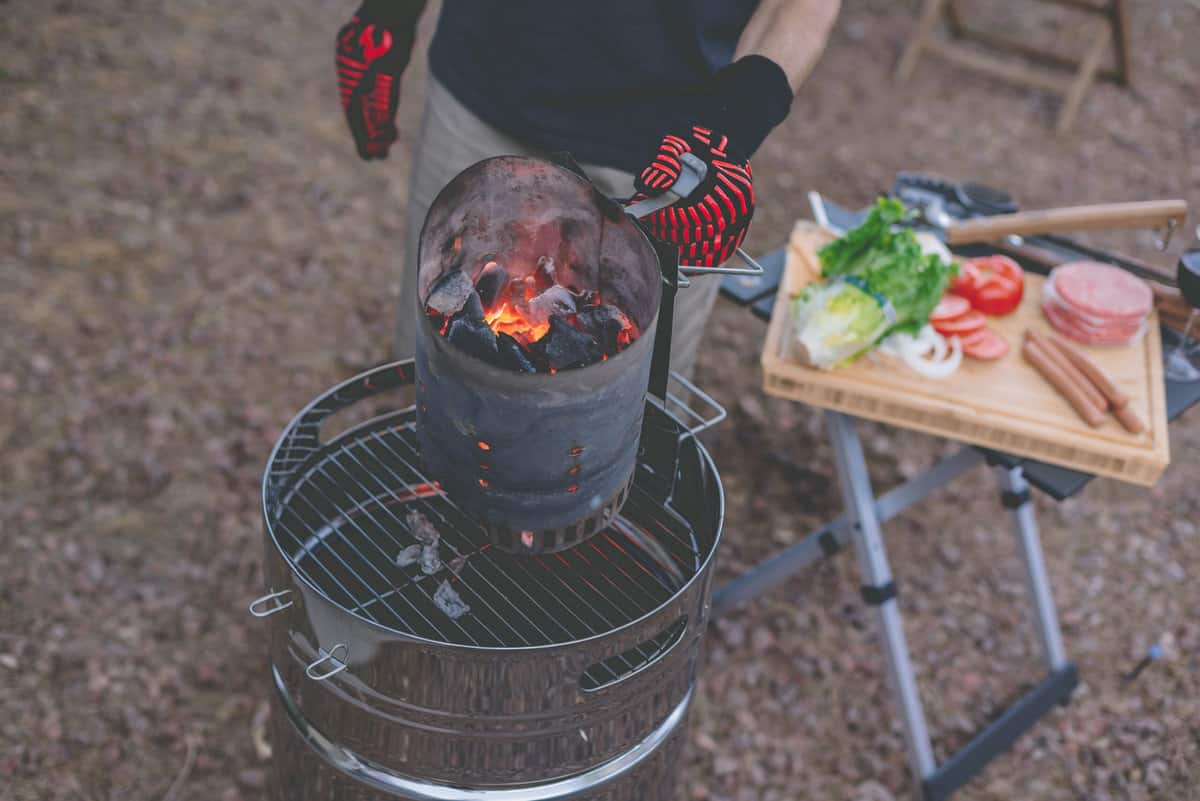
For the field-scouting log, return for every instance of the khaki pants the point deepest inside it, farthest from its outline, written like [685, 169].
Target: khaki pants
[452, 139]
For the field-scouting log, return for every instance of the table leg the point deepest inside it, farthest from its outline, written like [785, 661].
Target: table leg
[877, 577]
[1016, 497]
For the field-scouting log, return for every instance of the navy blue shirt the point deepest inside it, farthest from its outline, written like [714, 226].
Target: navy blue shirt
[603, 79]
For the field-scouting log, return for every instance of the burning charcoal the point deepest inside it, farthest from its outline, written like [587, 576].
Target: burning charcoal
[492, 285]
[409, 556]
[469, 331]
[450, 293]
[544, 274]
[605, 323]
[421, 528]
[566, 346]
[430, 561]
[449, 601]
[555, 300]
[513, 356]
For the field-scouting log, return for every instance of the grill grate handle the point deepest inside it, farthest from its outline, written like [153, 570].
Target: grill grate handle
[339, 663]
[258, 606]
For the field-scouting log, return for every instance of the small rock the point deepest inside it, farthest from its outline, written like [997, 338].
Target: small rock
[252, 778]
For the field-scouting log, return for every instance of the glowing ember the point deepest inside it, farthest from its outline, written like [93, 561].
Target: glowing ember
[506, 320]
[530, 323]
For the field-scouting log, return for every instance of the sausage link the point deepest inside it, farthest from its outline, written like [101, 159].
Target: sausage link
[1068, 369]
[1036, 356]
[1128, 418]
[1089, 368]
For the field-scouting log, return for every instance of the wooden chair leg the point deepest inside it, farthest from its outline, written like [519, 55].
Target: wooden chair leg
[929, 17]
[954, 19]
[1084, 77]
[1120, 28]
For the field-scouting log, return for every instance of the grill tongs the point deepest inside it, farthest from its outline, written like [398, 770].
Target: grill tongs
[692, 172]
[933, 211]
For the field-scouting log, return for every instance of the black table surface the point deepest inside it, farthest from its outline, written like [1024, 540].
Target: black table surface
[758, 295]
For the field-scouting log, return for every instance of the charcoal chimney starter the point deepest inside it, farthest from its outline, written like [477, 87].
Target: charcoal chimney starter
[543, 460]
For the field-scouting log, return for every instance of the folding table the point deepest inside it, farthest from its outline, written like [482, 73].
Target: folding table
[861, 525]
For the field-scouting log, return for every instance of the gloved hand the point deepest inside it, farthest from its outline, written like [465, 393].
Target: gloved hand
[744, 101]
[372, 51]
[710, 224]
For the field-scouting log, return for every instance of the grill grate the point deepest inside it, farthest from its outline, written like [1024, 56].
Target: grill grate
[344, 519]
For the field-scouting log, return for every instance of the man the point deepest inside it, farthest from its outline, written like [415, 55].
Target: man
[625, 86]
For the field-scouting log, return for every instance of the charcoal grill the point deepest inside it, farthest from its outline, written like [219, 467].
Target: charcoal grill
[571, 674]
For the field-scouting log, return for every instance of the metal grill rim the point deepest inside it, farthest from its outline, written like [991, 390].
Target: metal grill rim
[302, 469]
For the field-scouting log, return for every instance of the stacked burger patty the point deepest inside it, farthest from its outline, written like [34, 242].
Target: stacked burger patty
[1096, 304]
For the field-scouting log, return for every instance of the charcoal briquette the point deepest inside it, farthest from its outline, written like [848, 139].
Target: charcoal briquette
[450, 293]
[566, 346]
[555, 300]
[472, 334]
[492, 285]
[544, 274]
[512, 355]
[605, 323]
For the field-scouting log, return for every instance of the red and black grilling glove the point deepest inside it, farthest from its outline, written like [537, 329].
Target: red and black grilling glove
[742, 104]
[372, 51]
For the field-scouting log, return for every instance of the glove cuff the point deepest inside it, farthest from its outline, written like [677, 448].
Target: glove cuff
[746, 100]
[395, 15]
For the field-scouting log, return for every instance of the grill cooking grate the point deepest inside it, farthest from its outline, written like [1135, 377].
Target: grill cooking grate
[344, 518]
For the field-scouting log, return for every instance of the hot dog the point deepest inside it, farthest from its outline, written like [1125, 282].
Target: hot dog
[1037, 356]
[1089, 368]
[1068, 369]
[1128, 418]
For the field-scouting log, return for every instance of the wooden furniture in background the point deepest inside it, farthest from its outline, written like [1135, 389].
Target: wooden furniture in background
[1109, 29]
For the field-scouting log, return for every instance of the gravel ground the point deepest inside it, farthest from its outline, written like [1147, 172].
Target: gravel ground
[191, 250]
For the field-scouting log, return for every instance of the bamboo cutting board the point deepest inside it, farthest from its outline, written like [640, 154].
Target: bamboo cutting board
[1005, 405]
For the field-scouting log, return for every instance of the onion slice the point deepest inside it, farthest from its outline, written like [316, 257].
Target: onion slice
[928, 353]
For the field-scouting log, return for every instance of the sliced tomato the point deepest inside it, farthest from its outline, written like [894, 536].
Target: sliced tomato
[949, 307]
[961, 325]
[999, 297]
[967, 280]
[992, 284]
[973, 337]
[987, 347]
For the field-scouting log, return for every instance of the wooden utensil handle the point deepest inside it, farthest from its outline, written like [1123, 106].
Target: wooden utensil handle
[1073, 218]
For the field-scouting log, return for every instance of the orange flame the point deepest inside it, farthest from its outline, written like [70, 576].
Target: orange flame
[504, 319]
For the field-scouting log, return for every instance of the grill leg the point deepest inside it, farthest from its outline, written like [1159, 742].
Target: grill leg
[1015, 487]
[873, 564]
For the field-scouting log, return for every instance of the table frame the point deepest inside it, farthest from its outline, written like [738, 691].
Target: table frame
[860, 525]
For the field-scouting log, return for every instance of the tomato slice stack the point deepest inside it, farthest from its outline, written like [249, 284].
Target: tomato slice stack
[991, 284]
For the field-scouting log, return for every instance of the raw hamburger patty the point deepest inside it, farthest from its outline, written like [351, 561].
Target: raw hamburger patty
[1101, 290]
[1089, 335]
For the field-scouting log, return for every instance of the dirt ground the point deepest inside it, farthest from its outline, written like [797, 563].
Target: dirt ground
[191, 250]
